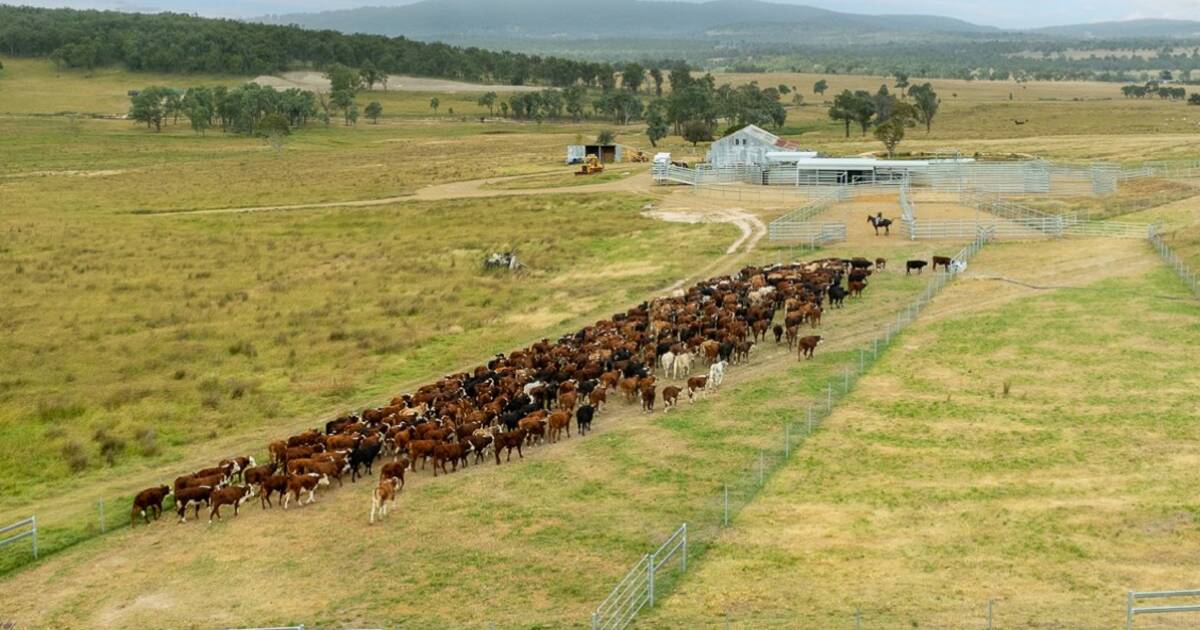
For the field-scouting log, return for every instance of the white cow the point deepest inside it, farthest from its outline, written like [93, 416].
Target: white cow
[668, 363]
[716, 374]
[682, 366]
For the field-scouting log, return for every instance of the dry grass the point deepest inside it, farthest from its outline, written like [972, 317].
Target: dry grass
[931, 491]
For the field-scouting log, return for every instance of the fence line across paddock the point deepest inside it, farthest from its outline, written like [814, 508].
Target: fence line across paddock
[1176, 263]
[655, 573]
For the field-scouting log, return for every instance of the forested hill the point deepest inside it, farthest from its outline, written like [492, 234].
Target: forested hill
[1128, 28]
[168, 42]
[525, 19]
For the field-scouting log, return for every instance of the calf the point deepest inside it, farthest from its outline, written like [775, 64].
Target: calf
[395, 472]
[648, 395]
[534, 427]
[670, 396]
[190, 481]
[778, 330]
[941, 260]
[836, 295]
[233, 495]
[598, 397]
[191, 496]
[384, 492]
[856, 288]
[808, 345]
[880, 264]
[914, 264]
[303, 483]
[716, 374]
[452, 452]
[148, 499]
[509, 440]
[583, 418]
[696, 384]
[480, 443]
[238, 465]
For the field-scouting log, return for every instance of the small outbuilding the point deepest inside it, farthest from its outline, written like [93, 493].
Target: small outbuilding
[608, 153]
[749, 146]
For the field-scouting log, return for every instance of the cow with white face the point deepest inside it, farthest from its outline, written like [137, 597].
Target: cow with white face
[716, 374]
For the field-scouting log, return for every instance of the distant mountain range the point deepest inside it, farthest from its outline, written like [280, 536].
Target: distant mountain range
[491, 20]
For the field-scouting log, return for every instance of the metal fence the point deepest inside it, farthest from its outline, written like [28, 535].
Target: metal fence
[1175, 263]
[638, 589]
[30, 528]
[797, 225]
[74, 523]
[1132, 610]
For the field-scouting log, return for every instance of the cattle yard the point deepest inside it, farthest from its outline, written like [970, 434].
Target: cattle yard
[1013, 448]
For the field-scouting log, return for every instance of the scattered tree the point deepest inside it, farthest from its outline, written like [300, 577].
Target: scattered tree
[632, 76]
[820, 86]
[149, 106]
[697, 131]
[434, 103]
[656, 75]
[656, 122]
[489, 101]
[891, 131]
[606, 136]
[926, 103]
[373, 111]
[901, 83]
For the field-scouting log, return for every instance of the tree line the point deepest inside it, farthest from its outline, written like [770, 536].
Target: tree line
[175, 43]
[890, 113]
[1153, 88]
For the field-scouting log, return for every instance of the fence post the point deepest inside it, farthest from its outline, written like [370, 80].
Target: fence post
[102, 527]
[989, 614]
[650, 579]
[1129, 612]
[787, 441]
[761, 460]
[857, 619]
[683, 559]
[33, 521]
[595, 621]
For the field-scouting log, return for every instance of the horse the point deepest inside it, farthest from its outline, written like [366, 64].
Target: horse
[880, 222]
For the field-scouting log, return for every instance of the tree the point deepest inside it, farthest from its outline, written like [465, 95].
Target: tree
[369, 75]
[842, 109]
[863, 109]
[352, 114]
[884, 104]
[891, 131]
[901, 83]
[783, 89]
[696, 131]
[148, 106]
[373, 111]
[926, 103]
[573, 102]
[342, 78]
[606, 136]
[656, 122]
[656, 75]
[632, 76]
[820, 86]
[504, 108]
[1194, 99]
[487, 100]
[434, 103]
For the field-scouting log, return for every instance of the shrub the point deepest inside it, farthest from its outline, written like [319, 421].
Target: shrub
[147, 441]
[75, 454]
[244, 348]
[110, 445]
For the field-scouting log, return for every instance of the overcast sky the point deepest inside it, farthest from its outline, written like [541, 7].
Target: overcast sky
[1003, 13]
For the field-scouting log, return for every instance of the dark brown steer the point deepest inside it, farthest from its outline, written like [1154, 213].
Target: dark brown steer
[148, 499]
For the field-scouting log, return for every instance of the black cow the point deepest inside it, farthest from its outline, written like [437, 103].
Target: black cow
[583, 418]
[914, 264]
[836, 295]
[363, 456]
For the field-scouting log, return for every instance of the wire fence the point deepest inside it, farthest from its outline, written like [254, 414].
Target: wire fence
[71, 524]
[1175, 263]
[638, 589]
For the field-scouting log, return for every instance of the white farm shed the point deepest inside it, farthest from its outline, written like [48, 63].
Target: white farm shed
[749, 146]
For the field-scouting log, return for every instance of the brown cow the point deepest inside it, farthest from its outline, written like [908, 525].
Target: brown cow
[327, 469]
[559, 420]
[420, 450]
[191, 496]
[270, 485]
[303, 483]
[598, 397]
[148, 499]
[238, 464]
[648, 395]
[233, 495]
[943, 261]
[534, 427]
[256, 475]
[452, 452]
[670, 396]
[880, 264]
[629, 389]
[395, 471]
[384, 492]
[694, 384]
[793, 333]
[509, 440]
[808, 345]
[191, 481]
[778, 330]
[567, 400]
[856, 288]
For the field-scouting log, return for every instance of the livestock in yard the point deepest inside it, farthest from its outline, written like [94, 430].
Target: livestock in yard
[682, 366]
[808, 345]
[559, 421]
[233, 495]
[919, 265]
[696, 384]
[363, 456]
[943, 261]
[878, 221]
[509, 440]
[778, 331]
[255, 476]
[150, 499]
[648, 395]
[385, 492]
[836, 295]
[856, 288]
[880, 264]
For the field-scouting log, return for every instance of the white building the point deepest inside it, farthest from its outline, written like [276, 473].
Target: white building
[749, 146]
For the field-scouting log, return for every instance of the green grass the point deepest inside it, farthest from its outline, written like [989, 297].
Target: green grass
[933, 490]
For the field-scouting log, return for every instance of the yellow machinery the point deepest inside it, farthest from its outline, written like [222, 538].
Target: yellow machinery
[591, 165]
[639, 157]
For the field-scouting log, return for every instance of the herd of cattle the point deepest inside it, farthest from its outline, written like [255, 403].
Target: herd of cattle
[530, 396]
